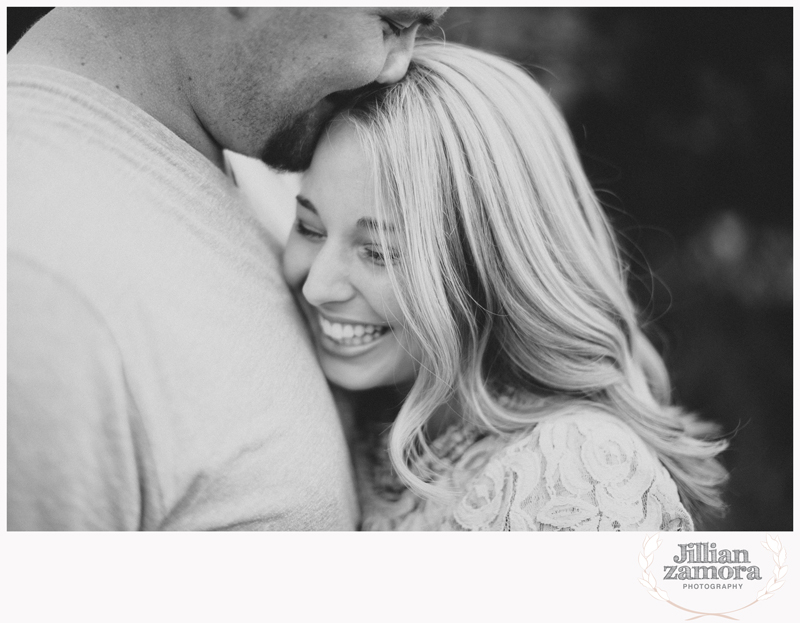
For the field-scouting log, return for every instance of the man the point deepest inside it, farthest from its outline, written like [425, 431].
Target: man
[159, 376]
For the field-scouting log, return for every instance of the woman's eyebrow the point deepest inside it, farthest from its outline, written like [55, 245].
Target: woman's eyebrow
[365, 222]
[370, 223]
[306, 203]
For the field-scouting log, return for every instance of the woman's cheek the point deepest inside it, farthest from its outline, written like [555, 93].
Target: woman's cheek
[295, 265]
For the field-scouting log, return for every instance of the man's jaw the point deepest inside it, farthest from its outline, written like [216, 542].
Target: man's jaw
[291, 148]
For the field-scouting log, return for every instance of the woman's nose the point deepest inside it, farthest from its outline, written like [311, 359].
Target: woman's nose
[328, 279]
[399, 56]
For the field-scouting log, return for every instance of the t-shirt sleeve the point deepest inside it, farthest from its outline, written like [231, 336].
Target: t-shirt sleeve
[581, 472]
[71, 459]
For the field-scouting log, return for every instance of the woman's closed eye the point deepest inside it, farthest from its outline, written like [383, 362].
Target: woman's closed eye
[307, 231]
[378, 256]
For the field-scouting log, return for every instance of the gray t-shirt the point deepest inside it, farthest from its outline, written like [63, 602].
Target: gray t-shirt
[159, 375]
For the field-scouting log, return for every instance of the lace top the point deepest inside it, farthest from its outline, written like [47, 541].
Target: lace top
[586, 471]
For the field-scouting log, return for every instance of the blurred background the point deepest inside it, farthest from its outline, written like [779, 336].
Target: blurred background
[683, 118]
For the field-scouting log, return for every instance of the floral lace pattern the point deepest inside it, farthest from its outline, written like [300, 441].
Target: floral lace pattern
[585, 471]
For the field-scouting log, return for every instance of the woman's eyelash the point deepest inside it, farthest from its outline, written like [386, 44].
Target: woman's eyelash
[379, 257]
[306, 232]
[375, 256]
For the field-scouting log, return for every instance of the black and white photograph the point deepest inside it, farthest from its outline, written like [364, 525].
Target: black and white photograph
[328, 269]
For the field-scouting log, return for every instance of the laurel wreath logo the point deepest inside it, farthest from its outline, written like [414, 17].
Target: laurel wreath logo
[648, 580]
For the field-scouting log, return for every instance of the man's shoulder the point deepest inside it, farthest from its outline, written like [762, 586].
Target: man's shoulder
[48, 93]
[87, 167]
[60, 112]
[105, 202]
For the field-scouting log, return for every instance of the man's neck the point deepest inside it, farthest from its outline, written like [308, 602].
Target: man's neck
[126, 52]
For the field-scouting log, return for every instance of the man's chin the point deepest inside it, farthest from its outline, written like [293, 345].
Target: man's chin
[292, 147]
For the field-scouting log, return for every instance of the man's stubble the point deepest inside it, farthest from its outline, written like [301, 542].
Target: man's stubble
[291, 148]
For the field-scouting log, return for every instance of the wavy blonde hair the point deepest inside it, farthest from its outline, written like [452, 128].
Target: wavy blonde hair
[509, 273]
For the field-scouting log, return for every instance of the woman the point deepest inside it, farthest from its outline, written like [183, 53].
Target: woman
[463, 284]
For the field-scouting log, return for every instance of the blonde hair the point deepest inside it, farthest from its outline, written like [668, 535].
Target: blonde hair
[509, 273]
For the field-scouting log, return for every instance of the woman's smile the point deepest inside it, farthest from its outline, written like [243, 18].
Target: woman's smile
[348, 338]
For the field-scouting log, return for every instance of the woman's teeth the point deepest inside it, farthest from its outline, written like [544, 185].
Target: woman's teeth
[351, 334]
